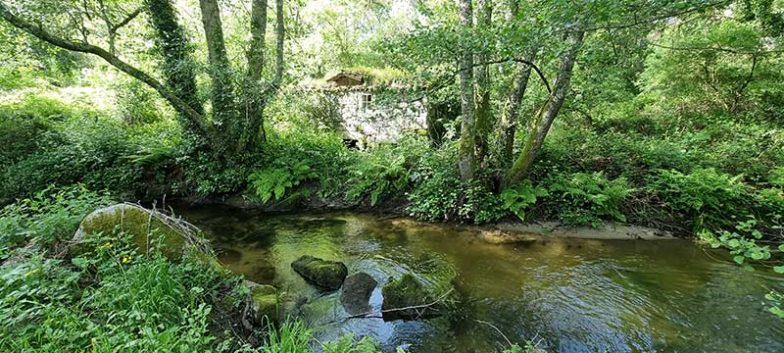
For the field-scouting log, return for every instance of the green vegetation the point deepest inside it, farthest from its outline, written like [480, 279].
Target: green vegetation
[666, 114]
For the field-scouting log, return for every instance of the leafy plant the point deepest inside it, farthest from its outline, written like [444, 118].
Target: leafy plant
[588, 198]
[742, 243]
[520, 197]
[48, 216]
[274, 182]
[385, 169]
[704, 195]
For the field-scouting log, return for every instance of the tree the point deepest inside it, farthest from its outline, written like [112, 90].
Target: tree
[467, 155]
[234, 124]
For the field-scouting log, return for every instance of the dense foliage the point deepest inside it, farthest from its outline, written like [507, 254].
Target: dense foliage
[659, 113]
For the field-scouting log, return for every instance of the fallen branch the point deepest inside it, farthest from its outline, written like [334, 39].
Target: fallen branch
[413, 307]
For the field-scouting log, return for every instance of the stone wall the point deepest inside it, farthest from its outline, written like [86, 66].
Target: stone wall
[370, 118]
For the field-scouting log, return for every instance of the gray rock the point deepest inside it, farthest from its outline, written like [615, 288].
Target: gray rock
[356, 293]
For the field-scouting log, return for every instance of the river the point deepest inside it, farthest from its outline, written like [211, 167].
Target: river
[568, 295]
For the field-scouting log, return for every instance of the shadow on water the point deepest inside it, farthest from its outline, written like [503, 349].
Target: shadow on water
[574, 295]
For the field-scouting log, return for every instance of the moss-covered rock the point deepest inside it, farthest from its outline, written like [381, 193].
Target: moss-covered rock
[142, 225]
[356, 292]
[408, 292]
[327, 275]
[264, 301]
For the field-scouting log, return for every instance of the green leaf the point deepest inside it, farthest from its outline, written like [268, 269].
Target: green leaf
[739, 259]
[778, 269]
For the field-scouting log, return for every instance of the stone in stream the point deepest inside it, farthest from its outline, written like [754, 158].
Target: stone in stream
[355, 296]
[408, 292]
[328, 275]
[264, 301]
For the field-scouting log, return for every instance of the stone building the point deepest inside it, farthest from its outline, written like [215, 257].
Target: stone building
[371, 114]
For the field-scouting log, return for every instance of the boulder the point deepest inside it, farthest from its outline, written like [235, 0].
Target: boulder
[264, 301]
[355, 296]
[144, 226]
[327, 275]
[408, 292]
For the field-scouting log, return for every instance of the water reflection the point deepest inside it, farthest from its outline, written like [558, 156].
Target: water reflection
[574, 295]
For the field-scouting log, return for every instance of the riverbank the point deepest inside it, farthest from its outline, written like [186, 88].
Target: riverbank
[508, 230]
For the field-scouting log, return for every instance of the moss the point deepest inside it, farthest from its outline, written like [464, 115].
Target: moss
[406, 292]
[328, 275]
[136, 222]
[265, 301]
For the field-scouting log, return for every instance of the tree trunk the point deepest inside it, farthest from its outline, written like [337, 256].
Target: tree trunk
[541, 126]
[178, 65]
[254, 90]
[483, 113]
[508, 125]
[280, 33]
[467, 159]
[224, 110]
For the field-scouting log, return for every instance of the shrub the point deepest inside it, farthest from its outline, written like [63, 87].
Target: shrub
[50, 215]
[384, 170]
[704, 195]
[436, 194]
[277, 180]
[293, 160]
[588, 198]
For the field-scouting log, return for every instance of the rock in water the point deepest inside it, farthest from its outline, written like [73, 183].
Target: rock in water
[264, 301]
[408, 292]
[356, 293]
[328, 275]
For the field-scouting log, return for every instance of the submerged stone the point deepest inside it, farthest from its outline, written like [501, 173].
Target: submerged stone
[328, 275]
[355, 296]
[264, 301]
[407, 299]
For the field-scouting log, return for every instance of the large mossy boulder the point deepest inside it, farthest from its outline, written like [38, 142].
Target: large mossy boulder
[356, 292]
[327, 275]
[407, 298]
[264, 301]
[145, 227]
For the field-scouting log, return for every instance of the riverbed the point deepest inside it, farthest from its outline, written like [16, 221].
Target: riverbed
[566, 294]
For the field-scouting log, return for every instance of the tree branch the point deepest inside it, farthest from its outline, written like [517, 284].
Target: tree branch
[127, 19]
[719, 49]
[110, 58]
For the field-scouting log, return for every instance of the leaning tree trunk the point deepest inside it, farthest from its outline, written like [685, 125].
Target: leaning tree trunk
[177, 64]
[507, 128]
[541, 126]
[467, 158]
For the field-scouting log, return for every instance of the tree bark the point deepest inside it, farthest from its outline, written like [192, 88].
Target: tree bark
[223, 104]
[254, 90]
[483, 113]
[508, 125]
[541, 126]
[280, 33]
[466, 159]
[177, 64]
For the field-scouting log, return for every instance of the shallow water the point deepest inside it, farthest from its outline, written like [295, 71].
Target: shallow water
[570, 295]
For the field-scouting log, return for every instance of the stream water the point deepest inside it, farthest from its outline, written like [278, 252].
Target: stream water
[570, 295]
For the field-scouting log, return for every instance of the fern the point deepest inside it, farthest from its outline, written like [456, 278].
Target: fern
[275, 182]
[521, 196]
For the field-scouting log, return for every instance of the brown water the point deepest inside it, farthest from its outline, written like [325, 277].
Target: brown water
[571, 295]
